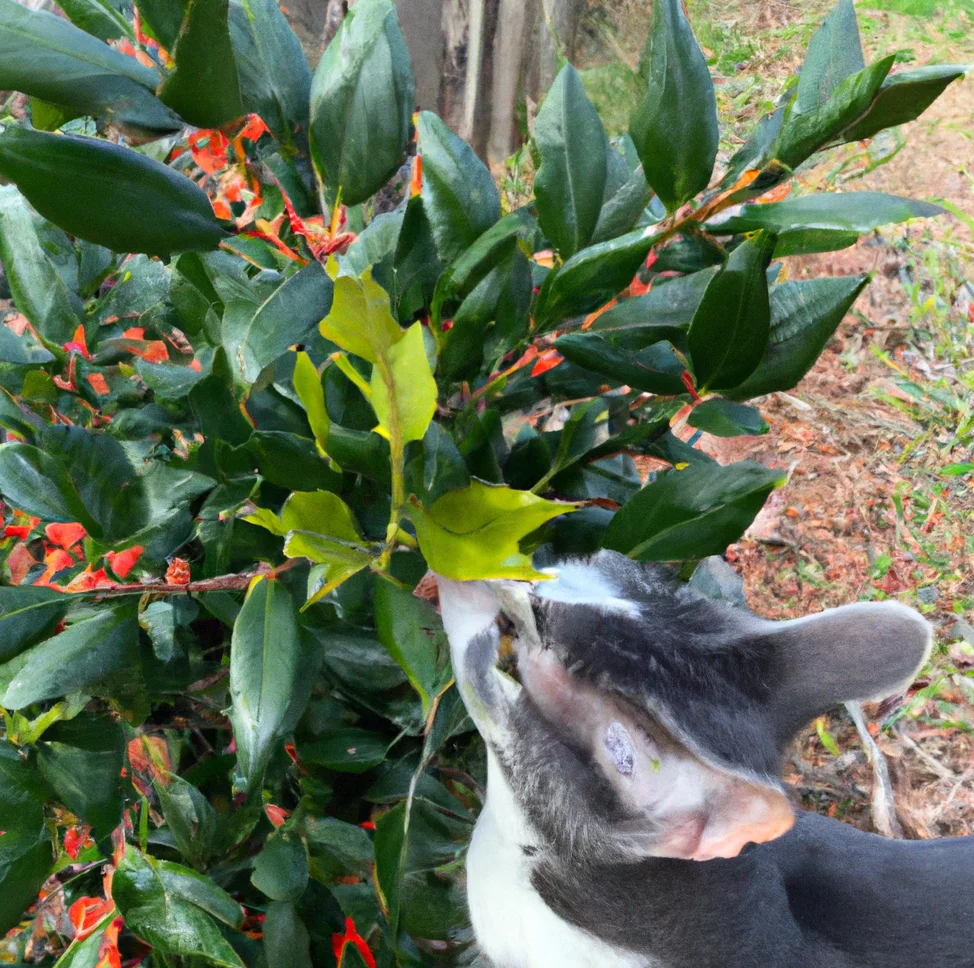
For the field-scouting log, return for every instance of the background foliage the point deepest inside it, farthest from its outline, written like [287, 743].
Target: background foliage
[246, 410]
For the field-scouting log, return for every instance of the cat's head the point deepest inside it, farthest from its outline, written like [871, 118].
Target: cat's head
[645, 719]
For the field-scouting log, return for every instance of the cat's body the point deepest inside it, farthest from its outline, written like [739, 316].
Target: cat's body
[805, 900]
[621, 832]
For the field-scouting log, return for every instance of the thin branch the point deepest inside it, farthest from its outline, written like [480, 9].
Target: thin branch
[223, 583]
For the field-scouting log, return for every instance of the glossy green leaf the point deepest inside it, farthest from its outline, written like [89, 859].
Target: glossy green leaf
[170, 907]
[346, 750]
[22, 876]
[45, 116]
[265, 664]
[626, 195]
[307, 385]
[319, 510]
[104, 19]
[82, 760]
[443, 467]
[724, 418]
[587, 426]
[338, 848]
[162, 19]
[664, 312]
[168, 381]
[675, 127]
[590, 278]
[569, 185]
[361, 320]
[215, 406]
[804, 315]
[27, 615]
[286, 940]
[86, 952]
[288, 316]
[154, 209]
[49, 58]
[413, 635]
[374, 246]
[654, 369]
[38, 290]
[403, 389]
[22, 795]
[83, 658]
[491, 320]
[903, 97]
[834, 53]
[158, 619]
[37, 483]
[460, 197]
[204, 87]
[16, 418]
[190, 818]
[114, 496]
[481, 258]
[275, 81]
[281, 868]
[413, 841]
[289, 460]
[416, 264]
[21, 349]
[729, 331]
[834, 212]
[362, 98]
[474, 532]
[808, 241]
[804, 134]
[692, 513]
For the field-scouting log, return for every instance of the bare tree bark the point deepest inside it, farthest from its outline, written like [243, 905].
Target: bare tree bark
[480, 70]
[455, 57]
[421, 22]
[335, 11]
[473, 60]
[477, 12]
[558, 30]
[514, 16]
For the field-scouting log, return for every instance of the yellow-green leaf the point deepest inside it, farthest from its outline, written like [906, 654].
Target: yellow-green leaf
[320, 526]
[321, 512]
[475, 532]
[361, 320]
[403, 388]
[307, 385]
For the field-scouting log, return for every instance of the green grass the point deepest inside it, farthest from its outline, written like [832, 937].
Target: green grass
[921, 8]
[614, 90]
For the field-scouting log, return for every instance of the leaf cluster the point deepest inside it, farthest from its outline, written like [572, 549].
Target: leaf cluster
[245, 408]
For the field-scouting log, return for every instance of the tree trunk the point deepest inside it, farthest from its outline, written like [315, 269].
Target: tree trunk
[514, 16]
[422, 26]
[473, 60]
[557, 33]
[481, 32]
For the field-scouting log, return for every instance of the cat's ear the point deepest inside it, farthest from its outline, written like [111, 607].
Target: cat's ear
[732, 687]
[858, 652]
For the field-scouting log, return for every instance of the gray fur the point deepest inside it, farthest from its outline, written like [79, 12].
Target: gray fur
[621, 664]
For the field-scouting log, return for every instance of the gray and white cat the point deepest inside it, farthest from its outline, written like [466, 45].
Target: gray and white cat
[635, 816]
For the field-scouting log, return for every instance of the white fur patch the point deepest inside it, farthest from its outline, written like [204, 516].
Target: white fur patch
[585, 585]
[513, 925]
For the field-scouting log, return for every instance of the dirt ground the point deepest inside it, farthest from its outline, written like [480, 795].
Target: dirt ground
[868, 512]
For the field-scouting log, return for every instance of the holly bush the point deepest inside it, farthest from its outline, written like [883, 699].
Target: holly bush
[278, 350]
